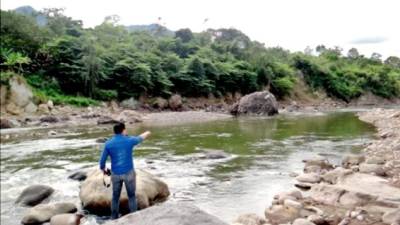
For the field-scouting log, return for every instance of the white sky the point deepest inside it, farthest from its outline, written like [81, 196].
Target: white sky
[368, 25]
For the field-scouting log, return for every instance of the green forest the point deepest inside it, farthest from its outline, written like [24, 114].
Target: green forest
[70, 64]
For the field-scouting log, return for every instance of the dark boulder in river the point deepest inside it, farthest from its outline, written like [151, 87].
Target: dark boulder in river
[169, 214]
[42, 213]
[34, 195]
[79, 176]
[257, 103]
[101, 140]
[96, 198]
[215, 154]
[5, 123]
[49, 119]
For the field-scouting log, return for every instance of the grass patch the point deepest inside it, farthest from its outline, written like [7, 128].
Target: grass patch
[45, 90]
[60, 99]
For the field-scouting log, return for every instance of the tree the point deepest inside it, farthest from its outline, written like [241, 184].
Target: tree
[353, 53]
[308, 50]
[66, 64]
[376, 56]
[112, 19]
[60, 24]
[185, 35]
[14, 60]
[320, 49]
[132, 78]
[20, 33]
[92, 66]
[393, 61]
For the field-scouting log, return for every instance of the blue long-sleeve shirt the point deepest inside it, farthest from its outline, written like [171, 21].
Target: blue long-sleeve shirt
[120, 149]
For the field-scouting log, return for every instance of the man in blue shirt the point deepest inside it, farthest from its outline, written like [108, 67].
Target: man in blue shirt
[120, 148]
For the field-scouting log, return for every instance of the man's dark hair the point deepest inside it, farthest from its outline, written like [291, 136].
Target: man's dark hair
[119, 127]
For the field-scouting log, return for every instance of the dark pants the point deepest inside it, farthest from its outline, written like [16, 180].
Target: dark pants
[129, 179]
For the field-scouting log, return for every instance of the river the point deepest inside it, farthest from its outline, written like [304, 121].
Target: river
[263, 152]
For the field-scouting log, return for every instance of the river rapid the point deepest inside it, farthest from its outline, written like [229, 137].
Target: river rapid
[263, 152]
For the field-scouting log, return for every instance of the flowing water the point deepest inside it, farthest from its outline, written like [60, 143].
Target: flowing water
[263, 152]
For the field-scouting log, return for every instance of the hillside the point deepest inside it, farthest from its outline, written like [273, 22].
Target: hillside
[63, 61]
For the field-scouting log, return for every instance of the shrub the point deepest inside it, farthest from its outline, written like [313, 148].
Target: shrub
[282, 86]
[105, 95]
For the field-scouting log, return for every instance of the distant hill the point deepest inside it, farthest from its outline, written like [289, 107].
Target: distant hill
[30, 11]
[153, 29]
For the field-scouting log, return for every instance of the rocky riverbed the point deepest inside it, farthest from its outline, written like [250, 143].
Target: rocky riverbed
[325, 194]
[365, 189]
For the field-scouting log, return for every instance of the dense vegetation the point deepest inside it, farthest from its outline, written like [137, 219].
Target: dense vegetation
[61, 60]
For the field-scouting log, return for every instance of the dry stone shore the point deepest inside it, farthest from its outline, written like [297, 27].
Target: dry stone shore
[364, 189]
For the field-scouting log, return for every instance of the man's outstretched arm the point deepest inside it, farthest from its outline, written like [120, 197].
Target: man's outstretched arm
[145, 135]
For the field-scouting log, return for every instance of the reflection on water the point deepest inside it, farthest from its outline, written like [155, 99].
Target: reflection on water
[263, 151]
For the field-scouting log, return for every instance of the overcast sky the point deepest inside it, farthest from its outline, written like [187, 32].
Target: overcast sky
[369, 25]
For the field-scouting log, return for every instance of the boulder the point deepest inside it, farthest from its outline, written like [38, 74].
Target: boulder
[301, 221]
[107, 120]
[351, 199]
[375, 160]
[66, 219]
[44, 212]
[215, 154]
[129, 116]
[326, 194]
[96, 198]
[6, 123]
[292, 195]
[250, 219]
[352, 160]
[317, 219]
[357, 189]
[49, 119]
[372, 168]
[160, 103]
[13, 109]
[44, 109]
[392, 217]
[34, 195]
[279, 214]
[257, 103]
[334, 175]
[129, 103]
[175, 102]
[3, 95]
[101, 140]
[20, 92]
[312, 169]
[309, 178]
[292, 203]
[79, 176]
[30, 108]
[179, 213]
[318, 165]
[113, 104]
[50, 104]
